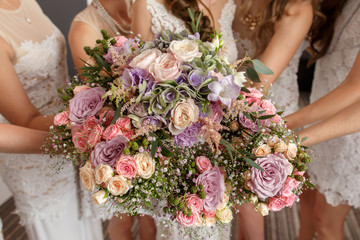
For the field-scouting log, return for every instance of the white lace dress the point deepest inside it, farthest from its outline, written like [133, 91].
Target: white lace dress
[336, 168]
[163, 19]
[46, 201]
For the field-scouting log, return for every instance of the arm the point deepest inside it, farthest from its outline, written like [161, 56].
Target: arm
[81, 35]
[15, 105]
[141, 20]
[16, 139]
[341, 97]
[289, 33]
[344, 122]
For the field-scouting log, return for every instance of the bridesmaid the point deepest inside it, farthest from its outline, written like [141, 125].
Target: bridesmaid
[32, 56]
[114, 17]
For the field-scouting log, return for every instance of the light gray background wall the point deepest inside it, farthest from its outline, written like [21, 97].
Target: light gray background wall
[62, 12]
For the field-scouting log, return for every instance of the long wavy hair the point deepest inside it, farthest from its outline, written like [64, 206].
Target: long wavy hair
[180, 9]
[322, 29]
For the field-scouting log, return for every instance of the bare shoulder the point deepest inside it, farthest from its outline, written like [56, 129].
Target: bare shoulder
[300, 8]
[6, 51]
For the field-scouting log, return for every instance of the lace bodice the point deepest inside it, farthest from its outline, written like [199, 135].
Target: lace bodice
[163, 19]
[336, 172]
[40, 63]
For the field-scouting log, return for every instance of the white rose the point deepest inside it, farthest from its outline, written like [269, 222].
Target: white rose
[291, 151]
[223, 203]
[209, 221]
[225, 215]
[280, 147]
[183, 115]
[262, 150]
[99, 197]
[87, 177]
[145, 59]
[253, 199]
[145, 165]
[273, 140]
[118, 185]
[185, 50]
[240, 79]
[103, 173]
[262, 208]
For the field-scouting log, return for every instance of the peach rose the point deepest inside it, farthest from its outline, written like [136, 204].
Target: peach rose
[124, 123]
[224, 215]
[280, 147]
[273, 140]
[126, 167]
[262, 208]
[95, 135]
[291, 151]
[118, 185]
[183, 115]
[87, 177]
[99, 197]
[209, 221]
[145, 165]
[209, 214]
[62, 118]
[202, 164]
[111, 131]
[103, 173]
[166, 67]
[223, 203]
[185, 50]
[78, 89]
[80, 141]
[145, 58]
[262, 150]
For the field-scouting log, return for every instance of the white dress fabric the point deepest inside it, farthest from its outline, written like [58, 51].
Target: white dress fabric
[46, 202]
[336, 168]
[163, 19]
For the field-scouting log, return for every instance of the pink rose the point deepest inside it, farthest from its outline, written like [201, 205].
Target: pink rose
[61, 119]
[106, 115]
[145, 59]
[126, 167]
[254, 101]
[80, 141]
[128, 134]
[194, 202]
[209, 214]
[95, 135]
[289, 201]
[254, 93]
[276, 204]
[290, 185]
[187, 221]
[89, 124]
[111, 131]
[120, 40]
[268, 107]
[202, 164]
[78, 89]
[276, 119]
[166, 67]
[124, 123]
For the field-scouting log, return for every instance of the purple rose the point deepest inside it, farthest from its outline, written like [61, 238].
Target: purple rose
[271, 181]
[189, 137]
[85, 104]
[197, 77]
[158, 121]
[133, 77]
[214, 187]
[108, 152]
[247, 123]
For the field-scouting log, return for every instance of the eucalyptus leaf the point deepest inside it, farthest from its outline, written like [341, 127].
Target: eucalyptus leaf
[253, 164]
[252, 74]
[154, 146]
[116, 115]
[266, 116]
[261, 68]
[166, 153]
[101, 62]
[303, 139]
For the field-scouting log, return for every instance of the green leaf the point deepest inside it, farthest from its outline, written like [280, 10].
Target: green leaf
[101, 62]
[261, 68]
[198, 21]
[116, 115]
[252, 74]
[147, 203]
[154, 146]
[266, 116]
[191, 14]
[244, 89]
[309, 184]
[166, 153]
[303, 139]
[253, 164]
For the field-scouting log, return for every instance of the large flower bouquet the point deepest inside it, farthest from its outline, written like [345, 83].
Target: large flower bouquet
[167, 128]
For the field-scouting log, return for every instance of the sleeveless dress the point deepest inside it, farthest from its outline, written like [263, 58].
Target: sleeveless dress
[336, 168]
[163, 19]
[46, 201]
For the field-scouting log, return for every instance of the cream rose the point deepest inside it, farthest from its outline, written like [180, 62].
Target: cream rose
[223, 203]
[183, 115]
[118, 185]
[273, 141]
[253, 199]
[145, 59]
[291, 151]
[145, 165]
[185, 50]
[280, 147]
[103, 173]
[209, 221]
[166, 67]
[262, 208]
[87, 177]
[225, 215]
[262, 150]
[99, 197]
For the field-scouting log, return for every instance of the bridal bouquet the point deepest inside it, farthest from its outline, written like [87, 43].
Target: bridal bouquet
[167, 128]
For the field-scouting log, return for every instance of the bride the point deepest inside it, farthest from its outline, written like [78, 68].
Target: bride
[32, 56]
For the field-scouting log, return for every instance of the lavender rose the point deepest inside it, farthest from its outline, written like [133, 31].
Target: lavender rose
[214, 187]
[86, 104]
[109, 152]
[271, 181]
[189, 137]
[247, 123]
